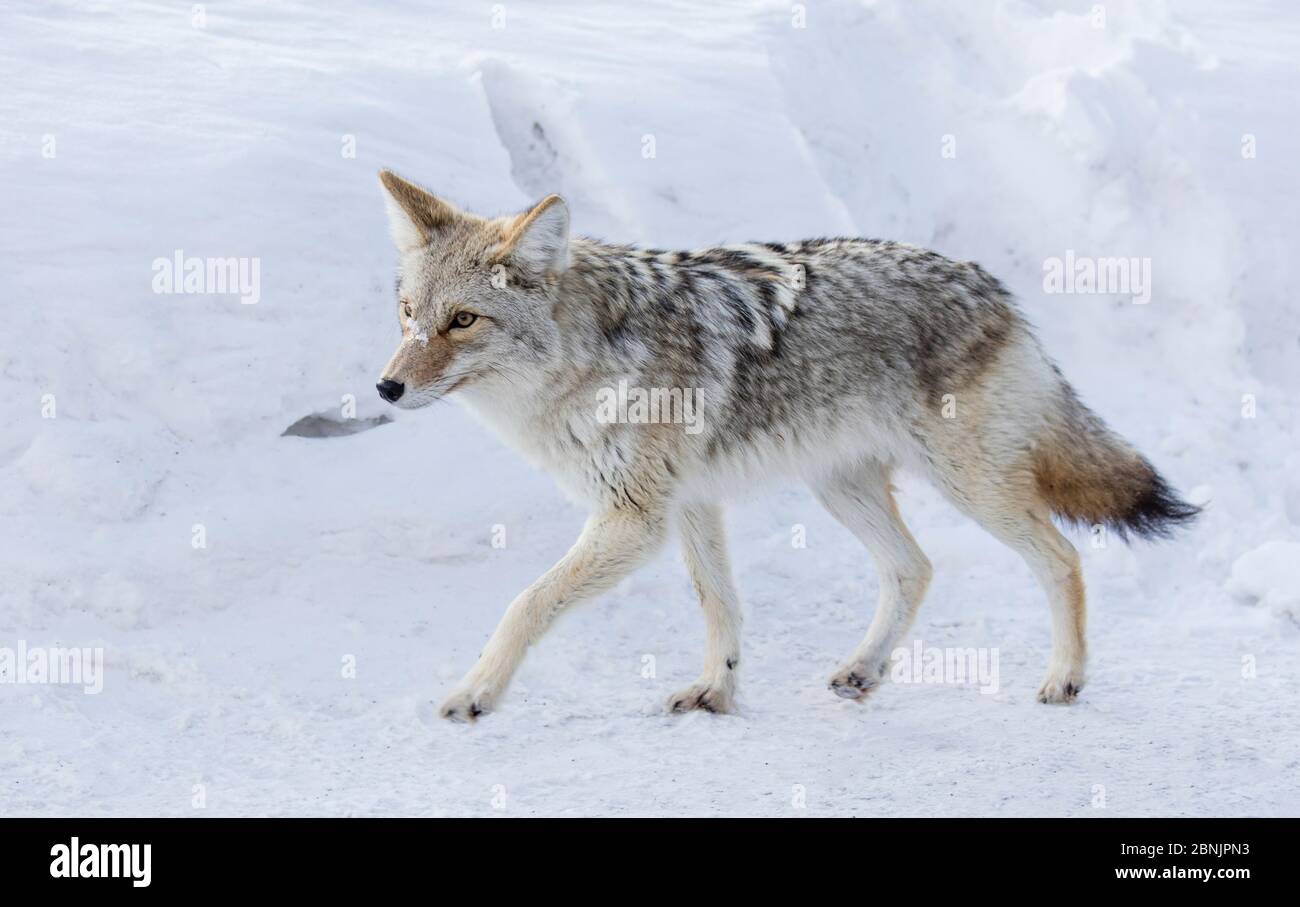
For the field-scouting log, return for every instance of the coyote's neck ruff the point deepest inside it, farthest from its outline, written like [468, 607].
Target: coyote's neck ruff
[654, 384]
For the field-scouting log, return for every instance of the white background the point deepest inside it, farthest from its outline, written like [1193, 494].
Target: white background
[224, 664]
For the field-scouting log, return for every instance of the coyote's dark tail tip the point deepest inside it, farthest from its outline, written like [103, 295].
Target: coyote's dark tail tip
[1087, 474]
[1156, 512]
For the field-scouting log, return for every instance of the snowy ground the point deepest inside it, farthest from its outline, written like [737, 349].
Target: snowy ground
[131, 130]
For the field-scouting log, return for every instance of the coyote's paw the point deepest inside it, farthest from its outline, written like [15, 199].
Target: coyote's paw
[466, 705]
[1061, 687]
[708, 696]
[855, 681]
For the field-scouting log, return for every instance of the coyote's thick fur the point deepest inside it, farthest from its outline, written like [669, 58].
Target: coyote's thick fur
[833, 360]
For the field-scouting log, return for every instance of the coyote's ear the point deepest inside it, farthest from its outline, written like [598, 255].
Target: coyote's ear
[413, 214]
[538, 239]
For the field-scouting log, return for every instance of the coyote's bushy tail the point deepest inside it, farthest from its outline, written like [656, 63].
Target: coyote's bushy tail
[1088, 474]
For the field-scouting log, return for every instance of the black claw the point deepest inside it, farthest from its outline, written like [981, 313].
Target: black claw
[858, 681]
[699, 702]
[856, 684]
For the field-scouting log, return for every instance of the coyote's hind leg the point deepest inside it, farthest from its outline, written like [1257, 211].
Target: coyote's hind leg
[1016, 515]
[861, 499]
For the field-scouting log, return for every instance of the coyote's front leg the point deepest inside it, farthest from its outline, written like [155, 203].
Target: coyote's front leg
[611, 546]
[704, 545]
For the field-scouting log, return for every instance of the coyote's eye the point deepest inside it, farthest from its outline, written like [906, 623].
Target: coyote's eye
[406, 309]
[462, 320]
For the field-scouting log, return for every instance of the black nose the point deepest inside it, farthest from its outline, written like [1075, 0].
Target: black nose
[390, 390]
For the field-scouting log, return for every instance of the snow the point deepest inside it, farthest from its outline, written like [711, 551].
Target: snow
[226, 665]
[1268, 574]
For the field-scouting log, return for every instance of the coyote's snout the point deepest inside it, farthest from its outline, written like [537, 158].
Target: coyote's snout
[834, 360]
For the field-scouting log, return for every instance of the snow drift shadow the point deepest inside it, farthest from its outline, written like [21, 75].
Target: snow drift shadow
[325, 425]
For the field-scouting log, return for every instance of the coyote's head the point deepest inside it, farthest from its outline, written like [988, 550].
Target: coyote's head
[474, 296]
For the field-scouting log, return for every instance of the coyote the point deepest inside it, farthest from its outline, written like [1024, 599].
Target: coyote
[836, 361]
